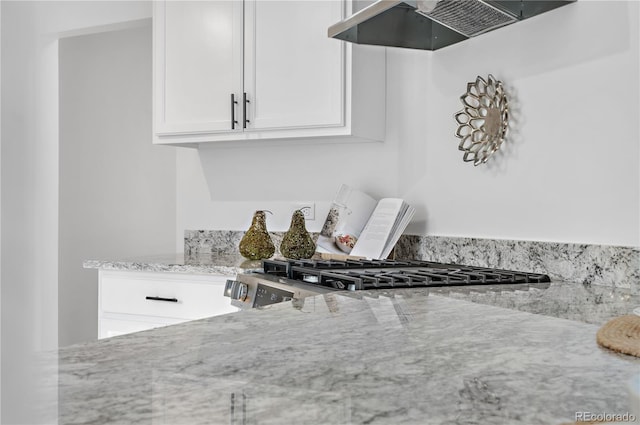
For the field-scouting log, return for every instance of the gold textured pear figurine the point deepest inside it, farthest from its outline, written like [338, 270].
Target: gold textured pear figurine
[256, 244]
[297, 242]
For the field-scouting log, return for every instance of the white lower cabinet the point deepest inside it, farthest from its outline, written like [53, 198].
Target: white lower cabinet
[135, 301]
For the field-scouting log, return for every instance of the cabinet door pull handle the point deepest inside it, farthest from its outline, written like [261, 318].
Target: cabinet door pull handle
[171, 300]
[234, 102]
[244, 109]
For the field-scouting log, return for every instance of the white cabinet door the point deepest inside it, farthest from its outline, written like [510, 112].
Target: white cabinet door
[148, 295]
[197, 65]
[294, 73]
[132, 301]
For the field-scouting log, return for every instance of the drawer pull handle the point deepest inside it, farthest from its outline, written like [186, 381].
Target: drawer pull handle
[171, 300]
[244, 110]
[234, 102]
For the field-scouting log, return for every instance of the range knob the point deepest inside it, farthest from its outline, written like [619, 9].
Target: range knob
[236, 290]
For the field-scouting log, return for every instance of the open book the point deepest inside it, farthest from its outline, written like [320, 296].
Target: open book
[375, 226]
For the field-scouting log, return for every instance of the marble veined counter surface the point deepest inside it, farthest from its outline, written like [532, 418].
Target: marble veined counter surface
[595, 304]
[228, 264]
[398, 357]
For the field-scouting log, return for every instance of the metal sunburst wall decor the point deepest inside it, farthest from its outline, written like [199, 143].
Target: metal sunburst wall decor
[484, 121]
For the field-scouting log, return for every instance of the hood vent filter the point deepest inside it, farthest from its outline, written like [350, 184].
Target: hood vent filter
[468, 17]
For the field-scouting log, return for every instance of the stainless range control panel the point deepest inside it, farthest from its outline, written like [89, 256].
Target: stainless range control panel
[266, 295]
[259, 290]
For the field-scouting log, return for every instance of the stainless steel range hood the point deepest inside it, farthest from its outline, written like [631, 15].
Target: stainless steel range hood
[433, 24]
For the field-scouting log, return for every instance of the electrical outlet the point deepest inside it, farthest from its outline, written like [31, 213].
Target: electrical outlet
[307, 208]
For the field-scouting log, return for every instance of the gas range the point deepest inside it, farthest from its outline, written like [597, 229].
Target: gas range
[283, 280]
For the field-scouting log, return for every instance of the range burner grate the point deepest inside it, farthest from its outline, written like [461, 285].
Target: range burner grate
[283, 267]
[380, 274]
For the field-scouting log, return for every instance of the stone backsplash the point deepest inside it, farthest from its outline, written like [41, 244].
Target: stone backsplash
[598, 264]
[583, 263]
[221, 242]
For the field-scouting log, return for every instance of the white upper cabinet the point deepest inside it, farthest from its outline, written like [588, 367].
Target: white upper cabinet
[198, 65]
[227, 71]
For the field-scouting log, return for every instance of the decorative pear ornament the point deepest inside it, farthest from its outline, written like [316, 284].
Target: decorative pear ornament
[297, 242]
[256, 244]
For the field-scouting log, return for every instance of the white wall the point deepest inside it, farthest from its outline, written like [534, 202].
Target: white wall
[568, 174]
[29, 203]
[117, 190]
[276, 177]
[570, 171]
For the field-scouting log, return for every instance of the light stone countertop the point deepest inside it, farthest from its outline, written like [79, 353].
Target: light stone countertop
[386, 357]
[228, 264]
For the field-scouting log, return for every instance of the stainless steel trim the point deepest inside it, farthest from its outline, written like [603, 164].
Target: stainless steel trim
[251, 281]
[365, 14]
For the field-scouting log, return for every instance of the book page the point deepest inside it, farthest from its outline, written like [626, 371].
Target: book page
[379, 230]
[401, 223]
[348, 214]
